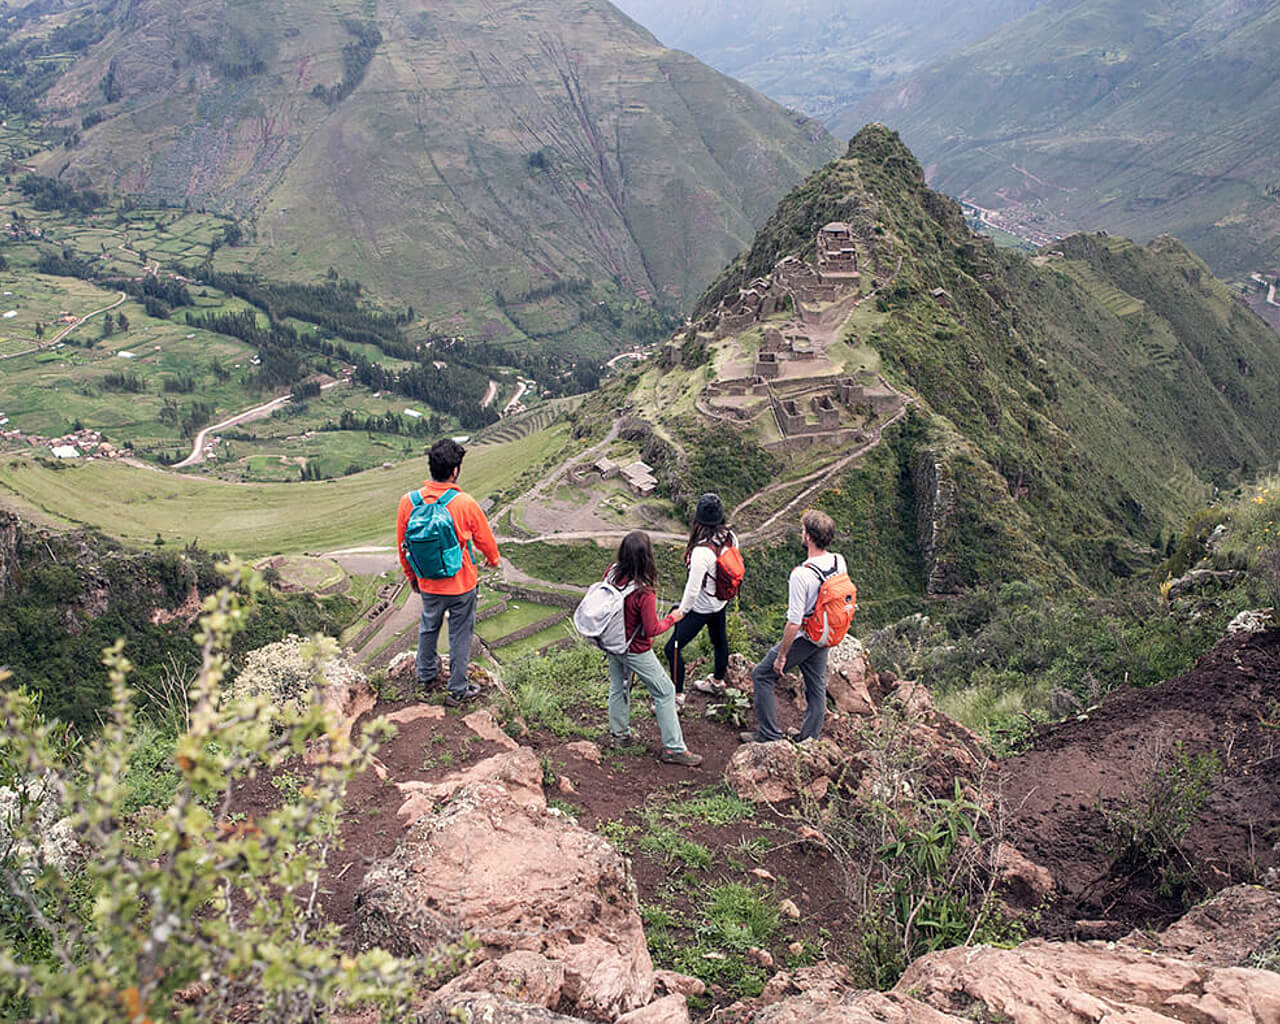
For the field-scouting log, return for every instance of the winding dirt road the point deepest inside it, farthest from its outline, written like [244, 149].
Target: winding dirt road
[256, 413]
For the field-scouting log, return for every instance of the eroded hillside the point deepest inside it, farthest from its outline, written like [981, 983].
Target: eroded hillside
[501, 165]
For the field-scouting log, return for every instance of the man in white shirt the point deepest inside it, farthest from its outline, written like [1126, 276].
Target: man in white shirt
[817, 531]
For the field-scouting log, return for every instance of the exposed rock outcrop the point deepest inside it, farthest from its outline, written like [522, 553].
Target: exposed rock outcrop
[515, 878]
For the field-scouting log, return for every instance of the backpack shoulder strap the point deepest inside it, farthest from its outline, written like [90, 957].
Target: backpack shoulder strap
[447, 496]
[415, 496]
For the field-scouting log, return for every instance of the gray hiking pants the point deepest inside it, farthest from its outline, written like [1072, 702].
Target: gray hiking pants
[461, 609]
[812, 662]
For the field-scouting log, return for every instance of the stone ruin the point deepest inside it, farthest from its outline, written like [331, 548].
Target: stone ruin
[828, 413]
[837, 256]
[767, 366]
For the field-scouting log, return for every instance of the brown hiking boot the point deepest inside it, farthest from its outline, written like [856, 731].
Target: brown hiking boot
[687, 758]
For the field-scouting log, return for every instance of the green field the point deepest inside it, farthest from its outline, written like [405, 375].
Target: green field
[533, 644]
[135, 505]
[518, 615]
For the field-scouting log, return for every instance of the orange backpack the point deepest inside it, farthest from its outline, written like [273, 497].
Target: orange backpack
[833, 613]
[729, 572]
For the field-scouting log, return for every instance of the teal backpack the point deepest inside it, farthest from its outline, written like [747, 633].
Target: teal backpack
[430, 541]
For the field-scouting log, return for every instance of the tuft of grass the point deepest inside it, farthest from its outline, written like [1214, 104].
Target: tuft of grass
[738, 917]
[717, 806]
[564, 692]
[671, 846]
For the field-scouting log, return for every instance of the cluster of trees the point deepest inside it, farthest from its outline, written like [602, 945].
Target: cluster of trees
[334, 306]
[159, 296]
[451, 389]
[51, 194]
[389, 423]
[188, 422]
[111, 324]
[119, 381]
[356, 58]
[280, 365]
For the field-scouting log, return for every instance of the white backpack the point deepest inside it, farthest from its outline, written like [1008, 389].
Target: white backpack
[600, 616]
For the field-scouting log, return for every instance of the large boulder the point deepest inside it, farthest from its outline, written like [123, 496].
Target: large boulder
[1083, 983]
[513, 877]
[773, 772]
[1227, 930]
[1042, 982]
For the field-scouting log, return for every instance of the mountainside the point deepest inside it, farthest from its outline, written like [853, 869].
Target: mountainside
[1138, 118]
[821, 57]
[501, 164]
[1069, 407]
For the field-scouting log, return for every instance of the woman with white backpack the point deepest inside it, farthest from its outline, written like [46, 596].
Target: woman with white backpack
[632, 578]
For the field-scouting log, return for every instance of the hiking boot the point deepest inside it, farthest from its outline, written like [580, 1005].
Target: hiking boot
[617, 742]
[752, 737]
[712, 685]
[456, 700]
[687, 758]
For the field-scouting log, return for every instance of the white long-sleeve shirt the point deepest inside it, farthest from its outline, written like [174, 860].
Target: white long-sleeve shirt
[700, 588]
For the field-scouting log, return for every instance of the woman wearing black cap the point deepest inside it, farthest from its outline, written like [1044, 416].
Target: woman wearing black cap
[707, 537]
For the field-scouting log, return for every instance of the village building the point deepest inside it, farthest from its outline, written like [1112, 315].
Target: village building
[639, 477]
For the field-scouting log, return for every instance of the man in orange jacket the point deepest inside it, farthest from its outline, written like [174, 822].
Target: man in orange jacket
[456, 595]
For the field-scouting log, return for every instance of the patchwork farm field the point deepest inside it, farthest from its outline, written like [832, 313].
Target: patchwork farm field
[138, 504]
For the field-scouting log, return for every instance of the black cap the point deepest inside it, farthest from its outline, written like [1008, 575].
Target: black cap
[710, 510]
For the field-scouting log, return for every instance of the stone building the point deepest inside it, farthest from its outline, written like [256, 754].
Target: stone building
[828, 412]
[767, 365]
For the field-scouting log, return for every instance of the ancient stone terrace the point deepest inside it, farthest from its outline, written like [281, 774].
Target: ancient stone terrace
[788, 375]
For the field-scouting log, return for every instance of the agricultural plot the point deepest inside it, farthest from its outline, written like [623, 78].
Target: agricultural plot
[518, 615]
[135, 504]
[1118, 302]
[540, 641]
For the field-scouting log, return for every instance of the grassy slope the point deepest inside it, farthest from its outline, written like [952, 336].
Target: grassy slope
[816, 55]
[1141, 118]
[483, 151]
[135, 505]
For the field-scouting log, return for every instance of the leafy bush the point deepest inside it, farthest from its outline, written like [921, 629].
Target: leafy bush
[220, 911]
[564, 692]
[1147, 827]
[912, 861]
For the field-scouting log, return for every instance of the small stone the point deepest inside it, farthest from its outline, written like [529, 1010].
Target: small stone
[761, 956]
[566, 786]
[763, 875]
[796, 949]
[788, 909]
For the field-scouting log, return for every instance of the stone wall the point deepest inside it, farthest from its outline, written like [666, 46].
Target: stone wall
[529, 630]
[561, 599]
[10, 532]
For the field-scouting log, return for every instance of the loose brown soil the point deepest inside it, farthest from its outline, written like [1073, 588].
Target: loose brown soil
[1058, 792]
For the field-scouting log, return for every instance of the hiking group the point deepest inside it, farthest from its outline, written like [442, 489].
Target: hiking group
[438, 525]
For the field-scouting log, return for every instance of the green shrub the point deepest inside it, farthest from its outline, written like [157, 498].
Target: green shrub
[113, 929]
[1146, 828]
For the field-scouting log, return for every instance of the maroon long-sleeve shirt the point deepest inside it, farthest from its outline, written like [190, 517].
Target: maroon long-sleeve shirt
[641, 608]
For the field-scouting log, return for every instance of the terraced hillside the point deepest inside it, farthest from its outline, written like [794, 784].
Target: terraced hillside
[1066, 407]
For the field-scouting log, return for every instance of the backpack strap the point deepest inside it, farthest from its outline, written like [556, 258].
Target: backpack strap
[822, 578]
[416, 498]
[447, 497]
